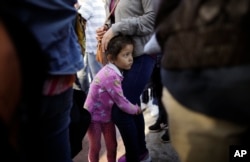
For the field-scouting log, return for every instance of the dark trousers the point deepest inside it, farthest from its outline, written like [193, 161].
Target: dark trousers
[157, 92]
[80, 120]
[45, 134]
[155, 86]
[131, 127]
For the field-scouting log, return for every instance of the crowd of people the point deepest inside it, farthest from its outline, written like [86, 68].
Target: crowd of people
[194, 52]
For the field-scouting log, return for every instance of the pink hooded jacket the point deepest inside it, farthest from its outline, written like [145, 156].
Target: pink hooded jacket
[104, 91]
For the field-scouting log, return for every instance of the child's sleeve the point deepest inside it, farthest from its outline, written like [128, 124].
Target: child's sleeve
[115, 91]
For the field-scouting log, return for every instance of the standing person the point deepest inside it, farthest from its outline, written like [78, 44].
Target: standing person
[105, 90]
[44, 126]
[93, 11]
[205, 74]
[161, 122]
[134, 18]
[82, 75]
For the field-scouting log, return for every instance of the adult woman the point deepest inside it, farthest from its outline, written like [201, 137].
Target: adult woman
[134, 18]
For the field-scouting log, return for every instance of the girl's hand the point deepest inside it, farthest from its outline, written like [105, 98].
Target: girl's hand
[139, 111]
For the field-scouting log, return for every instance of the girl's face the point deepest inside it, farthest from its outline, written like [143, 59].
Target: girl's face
[124, 59]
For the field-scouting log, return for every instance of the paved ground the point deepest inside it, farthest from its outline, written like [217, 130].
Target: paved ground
[160, 152]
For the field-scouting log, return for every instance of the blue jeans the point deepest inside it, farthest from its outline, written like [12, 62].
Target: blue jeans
[91, 68]
[46, 132]
[82, 75]
[131, 127]
[94, 66]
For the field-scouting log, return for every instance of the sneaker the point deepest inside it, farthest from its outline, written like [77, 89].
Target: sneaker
[165, 137]
[164, 126]
[157, 127]
[143, 158]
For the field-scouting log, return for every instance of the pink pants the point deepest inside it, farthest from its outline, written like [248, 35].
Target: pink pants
[95, 130]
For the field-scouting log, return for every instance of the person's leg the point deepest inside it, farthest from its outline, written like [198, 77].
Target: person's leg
[80, 120]
[94, 136]
[45, 131]
[132, 90]
[197, 137]
[109, 134]
[82, 75]
[94, 66]
[161, 121]
[132, 127]
[128, 130]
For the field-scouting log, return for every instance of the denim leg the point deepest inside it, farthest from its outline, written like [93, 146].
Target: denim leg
[132, 127]
[46, 132]
[83, 75]
[94, 66]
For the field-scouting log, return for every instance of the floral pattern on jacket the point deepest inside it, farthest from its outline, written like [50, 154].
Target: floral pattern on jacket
[104, 91]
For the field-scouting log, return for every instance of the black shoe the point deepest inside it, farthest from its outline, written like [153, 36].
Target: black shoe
[157, 127]
[165, 137]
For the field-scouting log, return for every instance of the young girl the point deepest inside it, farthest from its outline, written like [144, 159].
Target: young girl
[105, 90]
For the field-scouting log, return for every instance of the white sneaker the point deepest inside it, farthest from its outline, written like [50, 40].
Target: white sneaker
[154, 111]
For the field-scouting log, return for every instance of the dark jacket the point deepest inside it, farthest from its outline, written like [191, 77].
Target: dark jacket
[204, 33]
[206, 56]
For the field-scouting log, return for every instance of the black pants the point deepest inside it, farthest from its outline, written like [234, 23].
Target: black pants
[156, 92]
[80, 120]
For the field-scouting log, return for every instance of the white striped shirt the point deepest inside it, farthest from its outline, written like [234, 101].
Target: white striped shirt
[93, 11]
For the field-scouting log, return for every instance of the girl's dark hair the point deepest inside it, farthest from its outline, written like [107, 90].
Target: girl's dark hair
[117, 43]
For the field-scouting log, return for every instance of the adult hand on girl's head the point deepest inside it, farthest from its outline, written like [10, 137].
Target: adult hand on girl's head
[106, 38]
[101, 31]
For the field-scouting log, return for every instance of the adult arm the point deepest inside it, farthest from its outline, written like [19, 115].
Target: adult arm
[86, 9]
[139, 25]
[132, 24]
